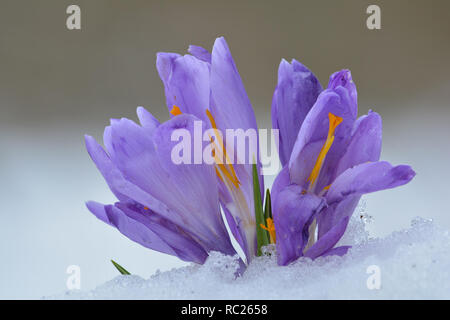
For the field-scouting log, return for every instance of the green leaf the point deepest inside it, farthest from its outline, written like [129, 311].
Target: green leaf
[261, 234]
[268, 206]
[121, 269]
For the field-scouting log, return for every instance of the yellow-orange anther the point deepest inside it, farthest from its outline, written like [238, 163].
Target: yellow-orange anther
[175, 110]
[271, 228]
[334, 122]
[222, 170]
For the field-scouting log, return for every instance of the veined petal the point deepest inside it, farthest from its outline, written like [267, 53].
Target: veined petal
[313, 134]
[296, 92]
[146, 162]
[122, 188]
[338, 251]
[191, 182]
[344, 79]
[345, 192]
[293, 213]
[365, 144]
[328, 240]
[134, 154]
[368, 177]
[335, 212]
[186, 81]
[155, 233]
[200, 53]
[147, 120]
[99, 211]
[231, 107]
[281, 181]
[235, 225]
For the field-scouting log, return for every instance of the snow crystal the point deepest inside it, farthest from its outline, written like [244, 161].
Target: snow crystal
[409, 264]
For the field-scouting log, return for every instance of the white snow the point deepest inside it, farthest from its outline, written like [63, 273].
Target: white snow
[413, 264]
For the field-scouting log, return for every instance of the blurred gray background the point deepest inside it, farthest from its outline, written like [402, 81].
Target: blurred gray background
[56, 85]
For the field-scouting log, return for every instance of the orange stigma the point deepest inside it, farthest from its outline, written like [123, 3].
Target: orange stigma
[271, 229]
[334, 122]
[175, 111]
[223, 171]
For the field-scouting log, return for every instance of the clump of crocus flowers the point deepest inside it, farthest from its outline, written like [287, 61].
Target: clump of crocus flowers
[330, 158]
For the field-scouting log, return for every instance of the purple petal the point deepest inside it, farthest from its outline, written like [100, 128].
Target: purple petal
[295, 94]
[328, 240]
[200, 53]
[191, 182]
[344, 79]
[186, 81]
[335, 212]
[156, 235]
[231, 107]
[281, 181]
[146, 162]
[133, 152]
[338, 251]
[293, 213]
[147, 120]
[313, 134]
[236, 230]
[345, 192]
[98, 210]
[365, 144]
[122, 188]
[164, 64]
[368, 177]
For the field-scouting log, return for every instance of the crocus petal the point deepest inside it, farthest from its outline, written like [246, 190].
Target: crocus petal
[191, 182]
[338, 251]
[365, 144]
[293, 213]
[296, 92]
[313, 134]
[147, 120]
[200, 53]
[98, 210]
[155, 235]
[281, 181]
[186, 82]
[332, 214]
[328, 240]
[345, 192]
[122, 188]
[231, 107]
[344, 79]
[368, 177]
[147, 162]
[235, 225]
[230, 104]
[134, 154]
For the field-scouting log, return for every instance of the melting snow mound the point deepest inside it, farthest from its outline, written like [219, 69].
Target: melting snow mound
[410, 264]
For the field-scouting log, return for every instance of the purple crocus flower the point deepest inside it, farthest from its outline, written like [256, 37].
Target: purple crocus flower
[161, 206]
[176, 208]
[208, 86]
[330, 159]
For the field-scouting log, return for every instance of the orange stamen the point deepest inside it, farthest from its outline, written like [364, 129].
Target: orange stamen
[334, 122]
[175, 111]
[271, 229]
[228, 169]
